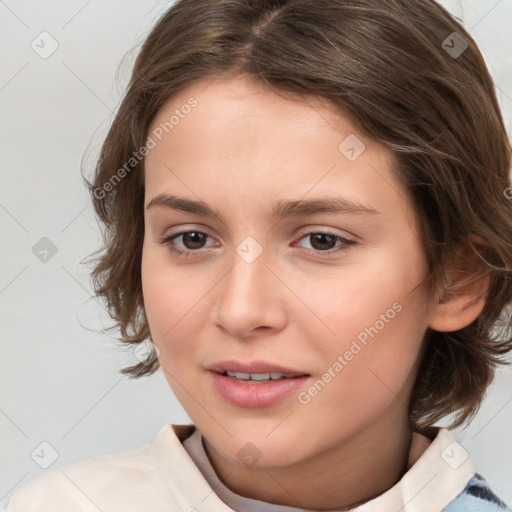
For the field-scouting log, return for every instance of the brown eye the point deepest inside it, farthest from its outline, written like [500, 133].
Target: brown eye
[191, 242]
[193, 239]
[324, 242]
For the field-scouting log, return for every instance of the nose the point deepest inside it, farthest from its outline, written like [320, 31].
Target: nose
[250, 297]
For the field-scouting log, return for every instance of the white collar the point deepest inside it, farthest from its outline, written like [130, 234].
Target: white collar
[435, 479]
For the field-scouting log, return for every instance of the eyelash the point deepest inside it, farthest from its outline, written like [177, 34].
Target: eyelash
[167, 241]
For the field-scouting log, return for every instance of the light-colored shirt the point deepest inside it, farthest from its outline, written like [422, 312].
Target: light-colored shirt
[174, 474]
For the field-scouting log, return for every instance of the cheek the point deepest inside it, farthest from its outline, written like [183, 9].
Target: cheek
[171, 305]
[378, 323]
[373, 296]
[171, 301]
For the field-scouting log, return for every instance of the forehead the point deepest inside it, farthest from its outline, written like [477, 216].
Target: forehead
[243, 139]
[248, 107]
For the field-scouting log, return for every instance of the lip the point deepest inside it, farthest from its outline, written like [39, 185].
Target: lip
[255, 395]
[252, 367]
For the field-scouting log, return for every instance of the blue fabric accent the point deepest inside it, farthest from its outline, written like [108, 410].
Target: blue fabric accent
[477, 497]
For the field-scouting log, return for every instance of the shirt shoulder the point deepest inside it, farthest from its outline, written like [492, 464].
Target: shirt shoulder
[121, 481]
[477, 496]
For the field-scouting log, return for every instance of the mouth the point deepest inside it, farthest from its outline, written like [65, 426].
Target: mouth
[259, 378]
[257, 384]
[254, 370]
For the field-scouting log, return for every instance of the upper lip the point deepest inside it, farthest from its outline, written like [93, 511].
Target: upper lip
[257, 367]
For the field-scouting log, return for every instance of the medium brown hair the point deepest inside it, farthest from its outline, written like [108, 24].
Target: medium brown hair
[394, 68]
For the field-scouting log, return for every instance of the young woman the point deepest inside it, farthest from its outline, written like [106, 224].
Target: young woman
[307, 209]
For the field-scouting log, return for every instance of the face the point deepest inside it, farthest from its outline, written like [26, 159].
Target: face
[266, 273]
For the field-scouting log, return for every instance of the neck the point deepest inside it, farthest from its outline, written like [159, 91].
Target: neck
[348, 474]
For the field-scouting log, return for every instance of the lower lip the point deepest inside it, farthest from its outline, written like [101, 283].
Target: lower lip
[255, 395]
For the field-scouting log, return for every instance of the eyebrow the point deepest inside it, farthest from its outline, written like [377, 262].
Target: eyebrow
[281, 209]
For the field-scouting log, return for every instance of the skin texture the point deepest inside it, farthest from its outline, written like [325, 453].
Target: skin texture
[242, 149]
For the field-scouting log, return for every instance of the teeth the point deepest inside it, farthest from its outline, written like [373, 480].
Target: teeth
[260, 376]
[257, 376]
[243, 376]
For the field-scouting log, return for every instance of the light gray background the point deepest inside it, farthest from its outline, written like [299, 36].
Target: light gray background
[59, 381]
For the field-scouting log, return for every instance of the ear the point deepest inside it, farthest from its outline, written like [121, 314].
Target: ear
[465, 290]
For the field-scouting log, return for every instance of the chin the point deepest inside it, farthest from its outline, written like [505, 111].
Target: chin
[255, 449]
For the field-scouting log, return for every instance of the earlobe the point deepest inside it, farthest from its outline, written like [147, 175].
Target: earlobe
[465, 291]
